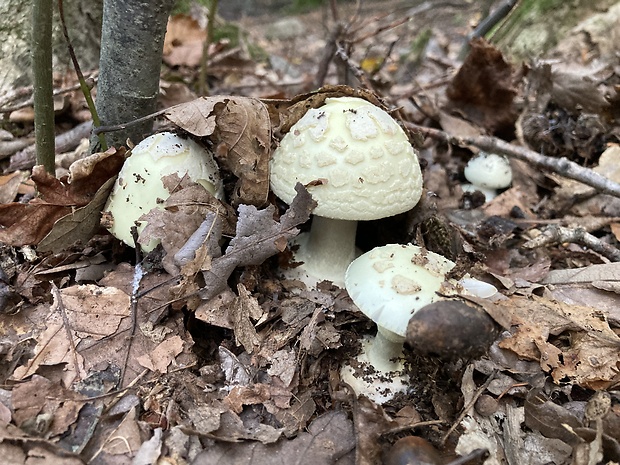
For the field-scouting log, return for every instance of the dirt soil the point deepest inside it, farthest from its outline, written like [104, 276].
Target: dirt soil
[213, 349]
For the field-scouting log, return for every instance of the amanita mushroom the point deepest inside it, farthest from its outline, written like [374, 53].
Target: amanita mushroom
[139, 187]
[389, 284]
[358, 164]
[487, 172]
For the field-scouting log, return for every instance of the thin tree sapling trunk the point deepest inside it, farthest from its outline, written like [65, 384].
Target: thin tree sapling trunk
[43, 85]
[132, 39]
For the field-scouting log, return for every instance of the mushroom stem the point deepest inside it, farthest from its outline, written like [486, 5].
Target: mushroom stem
[327, 250]
[386, 351]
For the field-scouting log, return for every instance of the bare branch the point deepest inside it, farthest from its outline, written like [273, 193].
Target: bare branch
[560, 166]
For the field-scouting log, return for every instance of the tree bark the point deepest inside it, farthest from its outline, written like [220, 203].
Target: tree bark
[83, 21]
[42, 13]
[536, 26]
[132, 39]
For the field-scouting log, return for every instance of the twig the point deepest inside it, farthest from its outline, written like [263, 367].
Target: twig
[13, 95]
[121, 392]
[469, 406]
[554, 234]
[356, 70]
[9, 147]
[27, 92]
[487, 24]
[560, 166]
[381, 29]
[328, 54]
[203, 86]
[43, 83]
[418, 424]
[137, 278]
[67, 326]
[25, 159]
[83, 84]
[120, 127]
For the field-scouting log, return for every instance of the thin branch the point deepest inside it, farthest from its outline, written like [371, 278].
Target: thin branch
[27, 92]
[487, 24]
[135, 122]
[83, 84]
[469, 406]
[25, 159]
[67, 325]
[554, 234]
[203, 86]
[560, 166]
[356, 70]
[137, 279]
[43, 83]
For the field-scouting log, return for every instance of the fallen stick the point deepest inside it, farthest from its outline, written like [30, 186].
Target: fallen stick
[25, 159]
[561, 166]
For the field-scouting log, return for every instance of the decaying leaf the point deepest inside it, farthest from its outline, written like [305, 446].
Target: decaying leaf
[589, 357]
[258, 238]
[571, 87]
[555, 421]
[329, 440]
[247, 395]
[163, 355]
[244, 137]
[183, 212]
[29, 223]
[243, 310]
[484, 88]
[44, 408]
[79, 225]
[241, 128]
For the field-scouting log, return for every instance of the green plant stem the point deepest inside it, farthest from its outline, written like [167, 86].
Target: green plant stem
[83, 84]
[203, 86]
[42, 11]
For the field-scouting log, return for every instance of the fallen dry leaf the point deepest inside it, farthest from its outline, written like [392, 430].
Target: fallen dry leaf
[589, 357]
[243, 310]
[160, 358]
[126, 438]
[258, 238]
[91, 312]
[183, 212]
[484, 88]
[329, 440]
[247, 395]
[79, 225]
[184, 41]
[30, 223]
[241, 128]
[44, 408]
[10, 184]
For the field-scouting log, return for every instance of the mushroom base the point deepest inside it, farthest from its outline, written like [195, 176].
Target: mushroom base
[378, 385]
[326, 252]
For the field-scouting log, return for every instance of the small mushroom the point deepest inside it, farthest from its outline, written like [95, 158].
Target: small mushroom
[389, 284]
[487, 172]
[139, 187]
[358, 164]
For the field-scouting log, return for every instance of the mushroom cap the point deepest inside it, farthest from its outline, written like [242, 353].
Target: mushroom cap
[489, 170]
[390, 283]
[354, 158]
[139, 187]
